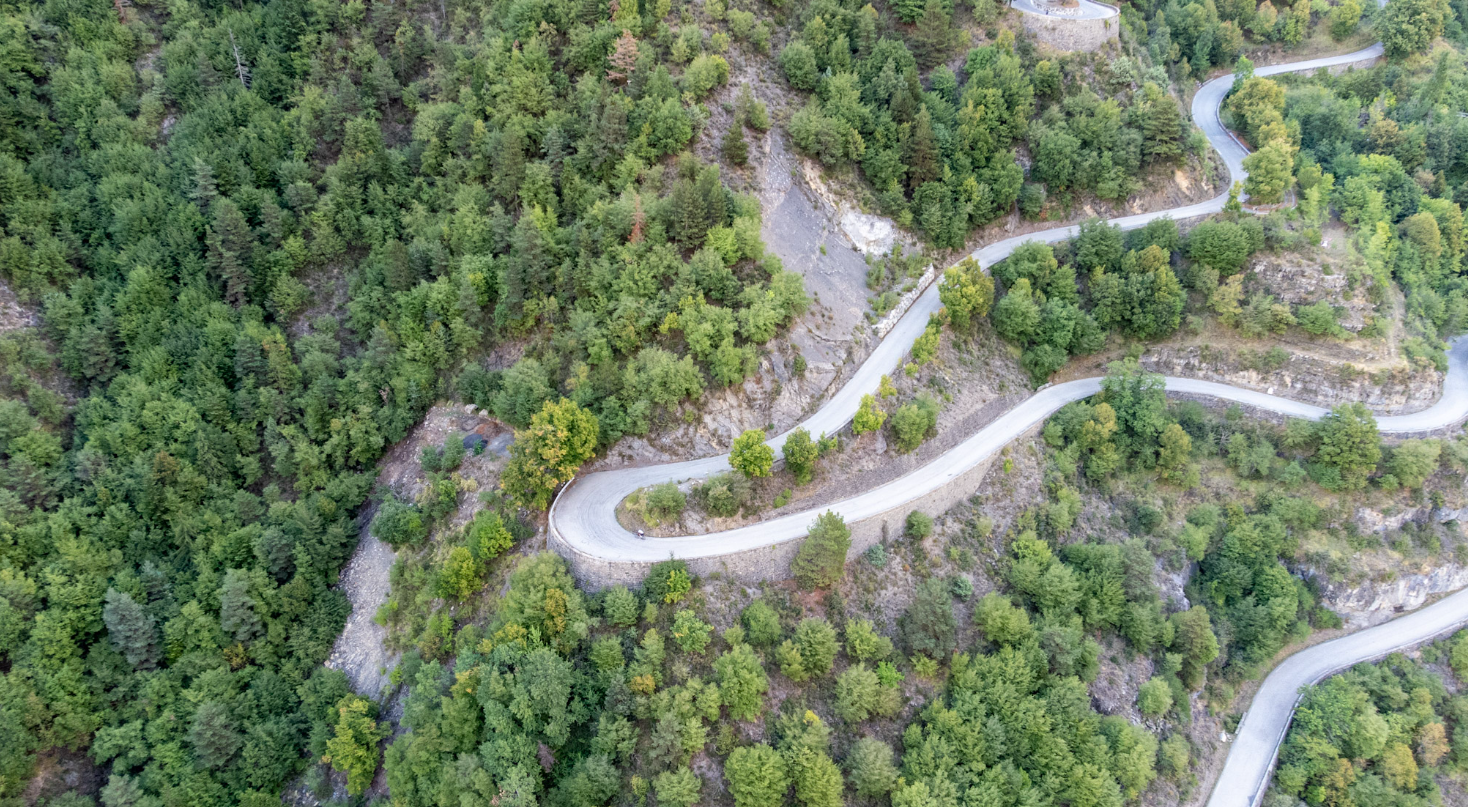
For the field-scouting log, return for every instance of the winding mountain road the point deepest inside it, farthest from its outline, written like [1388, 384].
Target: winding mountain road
[584, 515]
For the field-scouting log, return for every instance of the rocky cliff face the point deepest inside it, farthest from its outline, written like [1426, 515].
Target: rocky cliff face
[1303, 378]
[1376, 602]
[1365, 604]
[1301, 279]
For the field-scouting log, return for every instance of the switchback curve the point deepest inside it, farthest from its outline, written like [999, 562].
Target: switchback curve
[584, 514]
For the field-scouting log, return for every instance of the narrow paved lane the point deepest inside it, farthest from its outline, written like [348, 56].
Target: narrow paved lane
[584, 515]
[1246, 773]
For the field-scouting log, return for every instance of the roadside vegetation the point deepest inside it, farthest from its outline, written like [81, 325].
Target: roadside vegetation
[1393, 732]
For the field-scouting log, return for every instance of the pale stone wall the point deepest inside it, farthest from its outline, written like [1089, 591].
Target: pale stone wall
[1072, 34]
[1394, 391]
[773, 562]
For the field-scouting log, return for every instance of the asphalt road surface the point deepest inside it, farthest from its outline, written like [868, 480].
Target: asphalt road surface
[584, 515]
[1246, 772]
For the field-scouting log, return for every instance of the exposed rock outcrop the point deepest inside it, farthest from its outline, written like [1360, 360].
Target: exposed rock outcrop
[1303, 378]
[1376, 602]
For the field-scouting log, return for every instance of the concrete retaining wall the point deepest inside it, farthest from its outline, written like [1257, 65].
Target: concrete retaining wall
[1072, 34]
[1369, 61]
[773, 562]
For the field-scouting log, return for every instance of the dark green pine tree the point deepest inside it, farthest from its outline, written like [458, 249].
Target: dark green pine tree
[934, 35]
[1161, 124]
[735, 147]
[229, 243]
[924, 163]
[237, 608]
[132, 630]
[213, 735]
[205, 191]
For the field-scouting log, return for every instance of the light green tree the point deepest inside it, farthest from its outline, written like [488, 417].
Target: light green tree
[817, 779]
[742, 681]
[750, 456]
[460, 575]
[914, 422]
[352, 748]
[678, 788]
[967, 293]
[1414, 461]
[1193, 637]
[1001, 621]
[815, 643]
[1017, 315]
[1269, 173]
[620, 607]
[561, 437]
[691, 633]
[1174, 457]
[1349, 445]
[757, 776]
[1409, 28]
[800, 454]
[871, 768]
[860, 694]
[1344, 18]
[761, 623]
[863, 643]
[869, 416]
[1154, 698]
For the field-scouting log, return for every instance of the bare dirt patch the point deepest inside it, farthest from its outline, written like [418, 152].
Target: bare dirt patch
[13, 315]
[59, 771]
[360, 651]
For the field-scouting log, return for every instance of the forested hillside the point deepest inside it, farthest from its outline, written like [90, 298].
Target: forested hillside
[936, 130]
[264, 239]
[1161, 545]
[1384, 150]
[940, 153]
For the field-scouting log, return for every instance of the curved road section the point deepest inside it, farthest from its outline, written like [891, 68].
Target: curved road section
[1246, 772]
[584, 515]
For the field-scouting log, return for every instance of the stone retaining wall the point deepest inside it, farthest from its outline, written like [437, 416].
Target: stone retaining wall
[1072, 34]
[773, 562]
[1369, 61]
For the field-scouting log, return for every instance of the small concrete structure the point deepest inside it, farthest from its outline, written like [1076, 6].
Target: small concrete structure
[1086, 26]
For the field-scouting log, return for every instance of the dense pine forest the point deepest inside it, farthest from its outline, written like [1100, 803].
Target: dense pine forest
[263, 240]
